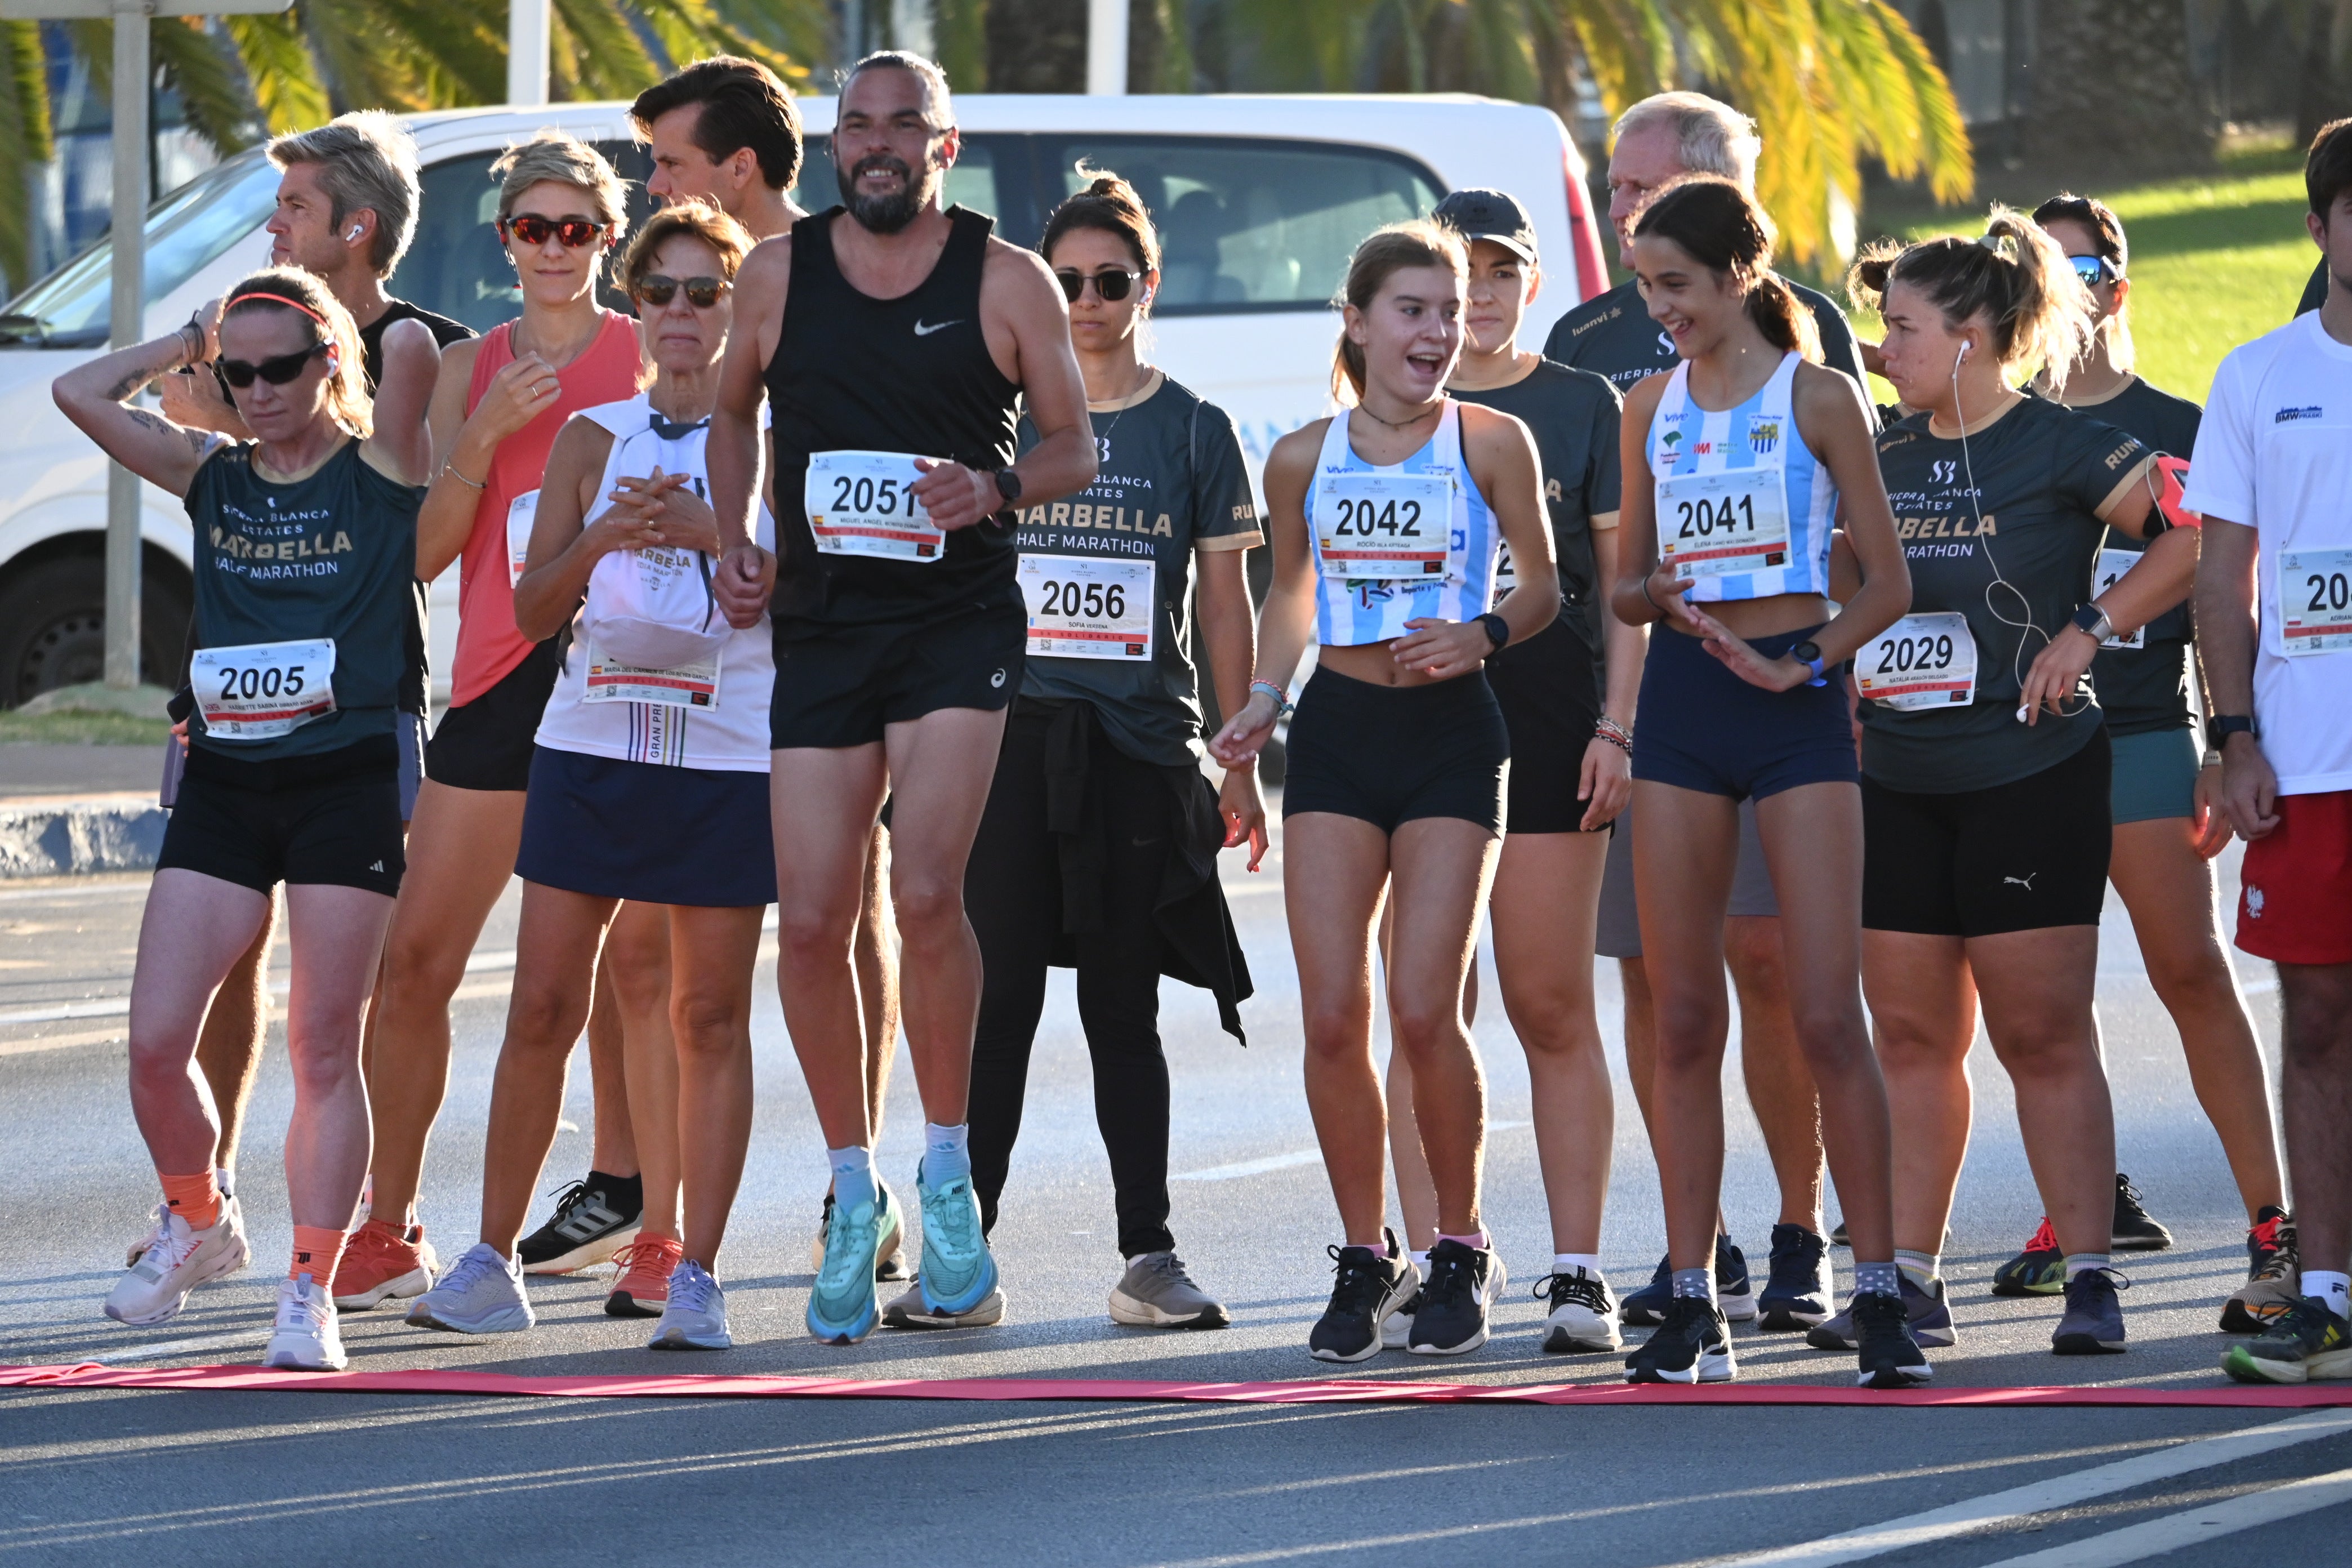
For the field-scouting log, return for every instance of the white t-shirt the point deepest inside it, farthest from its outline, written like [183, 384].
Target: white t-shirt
[2275, 452]
[712, 719]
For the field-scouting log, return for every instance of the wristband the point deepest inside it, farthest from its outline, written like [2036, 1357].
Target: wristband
[1653, 598]
[1281, 697]
[451, 470]
[1616, 734]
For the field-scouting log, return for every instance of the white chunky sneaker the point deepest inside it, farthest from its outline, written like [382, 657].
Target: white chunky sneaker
[305, 1338]
[176, 1261]
[481, 1293]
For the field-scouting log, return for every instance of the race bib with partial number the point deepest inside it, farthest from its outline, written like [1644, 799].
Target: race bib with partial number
[1374, 525]
[2113, 564]
[262, 691]
[692, 685]
[1506, 576]
[2315, 600]
[1087, 607]
[863, 503]
[1921, 661]
[522, 512]
[1715, 525]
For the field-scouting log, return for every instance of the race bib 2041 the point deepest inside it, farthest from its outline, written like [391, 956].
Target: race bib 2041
[1716, 525]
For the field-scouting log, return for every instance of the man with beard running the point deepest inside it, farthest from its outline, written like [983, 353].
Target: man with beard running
[895, 339]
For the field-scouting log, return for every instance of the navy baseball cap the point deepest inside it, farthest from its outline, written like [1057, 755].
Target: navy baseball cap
[1481, 214]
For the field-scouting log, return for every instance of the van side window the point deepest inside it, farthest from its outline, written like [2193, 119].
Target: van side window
[1251, 226]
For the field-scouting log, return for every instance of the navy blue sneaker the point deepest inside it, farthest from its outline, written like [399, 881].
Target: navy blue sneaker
[1647, 1305]
[1646, 1308]
[1797, 1295]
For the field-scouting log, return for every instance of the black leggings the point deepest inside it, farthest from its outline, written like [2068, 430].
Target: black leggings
[1013, 894]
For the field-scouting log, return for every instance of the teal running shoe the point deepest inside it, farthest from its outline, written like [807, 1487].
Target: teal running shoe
[842, 1310]
[958, 1271]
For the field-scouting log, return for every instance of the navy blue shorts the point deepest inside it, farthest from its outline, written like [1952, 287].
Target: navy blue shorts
[657, 834]
[1702, 728]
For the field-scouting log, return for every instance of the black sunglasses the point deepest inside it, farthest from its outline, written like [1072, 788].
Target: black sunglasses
[700, 292]
[277, 370]
[533, 229]
[1110, 283]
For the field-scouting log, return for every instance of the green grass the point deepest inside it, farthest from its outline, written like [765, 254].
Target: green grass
[81, 729]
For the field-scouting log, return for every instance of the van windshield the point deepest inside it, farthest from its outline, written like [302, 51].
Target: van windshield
[186, 232]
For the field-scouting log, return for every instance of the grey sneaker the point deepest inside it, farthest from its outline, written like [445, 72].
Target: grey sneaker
[2094, 1322]
[1925, 1310]
[1156, 1293]
[910, 1311]
[695, 1317]
[482, 1293]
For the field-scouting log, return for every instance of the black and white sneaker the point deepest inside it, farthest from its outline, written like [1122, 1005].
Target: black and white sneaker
[2136, 1230]
[1397, 1326]
[1888, 1356]
[1367, 1289]
[1583, 1316]
[593, 1220]
[1693, 1345]
[1462, 1286]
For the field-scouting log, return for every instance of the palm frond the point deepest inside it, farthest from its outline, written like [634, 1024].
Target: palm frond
[198, 66]
[285, 79]
[26, 140]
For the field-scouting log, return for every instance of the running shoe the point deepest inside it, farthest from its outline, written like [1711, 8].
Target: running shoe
[1583, 1317]
[1646, 1308]
[2304, 1341]
[1456, 1299]
[957, 1272]
[1156, 1293]
[1693, 1345]
[1366, 1290]
[1889, 1354]
[910, 1309]
[1838, 1236]
[593, 1219]
[694, 1313]
[841, 1307]
[1733, 1293]
[642, 1288]
[382, 1263]
[176, 1261]
[1927, 1314]
[1797, 1295]
[889, 1264]
[2039, 1271]
[2135, 1229]
[2274, 1276]
[481, 1293]
[1396, 1329]
[304, 1338]
[2093, 1319]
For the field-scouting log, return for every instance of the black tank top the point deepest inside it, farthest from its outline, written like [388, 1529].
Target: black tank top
[910, 374]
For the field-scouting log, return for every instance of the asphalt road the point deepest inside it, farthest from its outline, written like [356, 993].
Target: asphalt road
[398, 1478]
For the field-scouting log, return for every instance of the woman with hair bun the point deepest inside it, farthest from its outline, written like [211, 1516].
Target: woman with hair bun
[1985, 761]
[1098, 846]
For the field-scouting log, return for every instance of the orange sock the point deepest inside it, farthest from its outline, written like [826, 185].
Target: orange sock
[317, 1248]
[195, 1199]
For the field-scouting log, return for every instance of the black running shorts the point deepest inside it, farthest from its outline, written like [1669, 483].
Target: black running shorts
[1389, 755]
[841, 685]
[1549, 692]
[2024, 856]
[331, 819]
[487, 743]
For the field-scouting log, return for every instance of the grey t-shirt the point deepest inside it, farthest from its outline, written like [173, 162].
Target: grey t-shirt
[1170, 479]
[1611, 334]
[2044, 479]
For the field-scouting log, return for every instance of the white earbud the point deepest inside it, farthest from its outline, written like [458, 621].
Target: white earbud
[356, 229]
[1958, 357]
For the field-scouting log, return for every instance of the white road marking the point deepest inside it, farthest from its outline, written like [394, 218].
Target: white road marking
[2040, 1497]
[2195, 1526]
[186, 1347]
[1286, 1162]
[103, 890]
[120, 1006]
[62, 1042]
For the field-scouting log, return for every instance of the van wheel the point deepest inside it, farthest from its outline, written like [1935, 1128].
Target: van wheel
[53, 627]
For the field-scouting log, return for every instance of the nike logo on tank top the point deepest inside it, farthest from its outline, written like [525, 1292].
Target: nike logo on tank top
[1743, 505]
[1409, 541]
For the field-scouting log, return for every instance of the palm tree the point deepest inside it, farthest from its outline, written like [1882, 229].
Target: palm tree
[24, 136]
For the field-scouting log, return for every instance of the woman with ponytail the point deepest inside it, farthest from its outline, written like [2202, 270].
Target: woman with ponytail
[1985, 762]
[1737, 465]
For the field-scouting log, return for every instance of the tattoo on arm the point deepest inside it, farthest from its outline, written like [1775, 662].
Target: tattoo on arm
[199, 441]
[127, 385]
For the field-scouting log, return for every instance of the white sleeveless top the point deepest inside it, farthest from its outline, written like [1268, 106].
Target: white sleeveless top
[711, 714]
[1414, 541]
[1740, 497]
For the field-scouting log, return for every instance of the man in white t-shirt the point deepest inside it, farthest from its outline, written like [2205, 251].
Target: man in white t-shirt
[2273, 476]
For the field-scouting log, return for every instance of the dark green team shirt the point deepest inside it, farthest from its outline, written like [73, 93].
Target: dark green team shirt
[1573, 416]
[2145, 689]
[1612, 335]
[2043, 478]
[1170, 479]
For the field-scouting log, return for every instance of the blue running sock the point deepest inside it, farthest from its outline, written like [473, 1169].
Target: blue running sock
[1884, 1279]
[853, 1176]
[1697, 1282]
[947, 1153]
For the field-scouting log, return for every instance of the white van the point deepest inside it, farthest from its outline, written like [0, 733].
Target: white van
[1259, 202]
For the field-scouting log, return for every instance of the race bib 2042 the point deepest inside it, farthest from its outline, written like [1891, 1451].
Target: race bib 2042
[863, 503]
[1370, 524]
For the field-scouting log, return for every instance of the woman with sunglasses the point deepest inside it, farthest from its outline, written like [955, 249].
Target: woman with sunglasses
[653, 752]
[2168, 824]
[499, 402]
[1098, 845]
[305, 547]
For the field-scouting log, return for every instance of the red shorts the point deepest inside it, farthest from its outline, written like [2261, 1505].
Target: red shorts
[2296, 905]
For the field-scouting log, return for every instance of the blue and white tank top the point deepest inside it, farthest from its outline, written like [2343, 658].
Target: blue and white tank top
[1742, 501]
[1415, 540]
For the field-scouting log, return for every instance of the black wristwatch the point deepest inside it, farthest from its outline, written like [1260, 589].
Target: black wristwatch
[2092, 622]
[1497, 629]
[2221, 726]
[1008, 485]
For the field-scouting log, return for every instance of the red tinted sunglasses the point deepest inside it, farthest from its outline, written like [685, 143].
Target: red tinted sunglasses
[533, 229]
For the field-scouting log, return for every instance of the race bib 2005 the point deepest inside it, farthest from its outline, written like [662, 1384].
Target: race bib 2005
[692, 685]
[1087, 607]
[522, 512]
[2113, 564]
[2315, 601]
[1714, 525]
[863, 503]
[1372, 524]
[1921, 661]
[262, 691]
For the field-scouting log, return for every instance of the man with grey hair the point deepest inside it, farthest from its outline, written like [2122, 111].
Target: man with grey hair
[1658, 141]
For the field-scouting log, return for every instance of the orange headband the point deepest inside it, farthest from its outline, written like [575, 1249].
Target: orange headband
[280, 300]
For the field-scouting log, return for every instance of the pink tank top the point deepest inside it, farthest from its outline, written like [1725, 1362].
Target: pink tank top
[488, 646]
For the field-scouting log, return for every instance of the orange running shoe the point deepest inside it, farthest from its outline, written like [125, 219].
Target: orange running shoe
[383, 1263]
[642, 1289]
